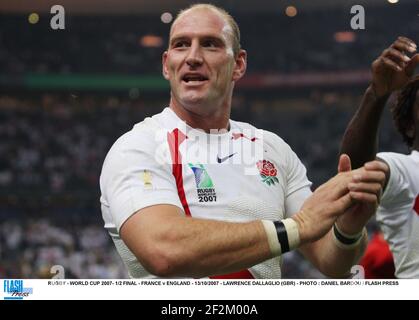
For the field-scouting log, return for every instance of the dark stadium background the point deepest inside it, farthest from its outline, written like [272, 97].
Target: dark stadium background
[66, 95]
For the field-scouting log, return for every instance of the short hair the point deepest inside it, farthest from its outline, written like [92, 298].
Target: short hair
[235, 36]
[403, 109]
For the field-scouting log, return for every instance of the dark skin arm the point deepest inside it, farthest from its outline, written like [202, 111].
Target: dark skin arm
[360, 140]
[390, 72]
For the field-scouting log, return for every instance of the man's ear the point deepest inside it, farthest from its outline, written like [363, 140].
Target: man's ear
[165, 70]
[240, 65]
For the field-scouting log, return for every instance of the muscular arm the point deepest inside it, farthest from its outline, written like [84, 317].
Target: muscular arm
[169, 244]
[360, 140]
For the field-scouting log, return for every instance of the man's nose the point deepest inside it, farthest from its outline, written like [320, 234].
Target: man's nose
[194, 57]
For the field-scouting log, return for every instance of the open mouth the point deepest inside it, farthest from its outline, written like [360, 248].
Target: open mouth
[194, 78]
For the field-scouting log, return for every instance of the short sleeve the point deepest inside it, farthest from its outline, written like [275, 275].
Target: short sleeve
[132, 178]
[396, 200]
[397, 190]
[298, 189]
[296, 173]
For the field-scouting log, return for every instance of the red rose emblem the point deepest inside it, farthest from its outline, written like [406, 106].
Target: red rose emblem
[266, 168]
[267, 172]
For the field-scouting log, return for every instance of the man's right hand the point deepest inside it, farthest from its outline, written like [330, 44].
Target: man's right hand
[393, 68]
[332, 199]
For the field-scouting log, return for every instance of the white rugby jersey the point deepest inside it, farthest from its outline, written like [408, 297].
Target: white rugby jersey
[398, 214]
[239, 175]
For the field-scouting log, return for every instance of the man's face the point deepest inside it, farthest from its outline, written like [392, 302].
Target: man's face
[200, 63]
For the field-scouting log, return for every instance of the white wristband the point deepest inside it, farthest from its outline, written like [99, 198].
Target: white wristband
[292, 232]
[283, 236]
[272, 237]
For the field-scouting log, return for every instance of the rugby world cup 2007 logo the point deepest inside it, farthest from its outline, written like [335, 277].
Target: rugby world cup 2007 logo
[204, 184]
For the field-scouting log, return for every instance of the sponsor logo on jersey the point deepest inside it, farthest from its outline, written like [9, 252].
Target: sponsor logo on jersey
[220, 160]
[204, 185]
[267, 172]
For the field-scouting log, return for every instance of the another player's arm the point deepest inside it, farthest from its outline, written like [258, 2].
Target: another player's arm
[360, 140]
[169, 244]
[390, 71]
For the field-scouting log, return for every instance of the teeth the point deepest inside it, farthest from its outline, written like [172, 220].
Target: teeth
[187, 79]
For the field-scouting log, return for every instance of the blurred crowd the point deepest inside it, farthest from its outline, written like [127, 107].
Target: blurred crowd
[275, 42]
[40, 249]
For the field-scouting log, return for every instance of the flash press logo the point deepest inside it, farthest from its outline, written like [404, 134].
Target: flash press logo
[14, 290]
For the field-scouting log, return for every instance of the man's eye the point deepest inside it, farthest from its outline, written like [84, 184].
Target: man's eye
[180, 44]
[209, 44]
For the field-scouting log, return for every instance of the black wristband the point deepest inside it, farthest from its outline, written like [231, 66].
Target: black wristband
[282, 234]
[345, 240]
